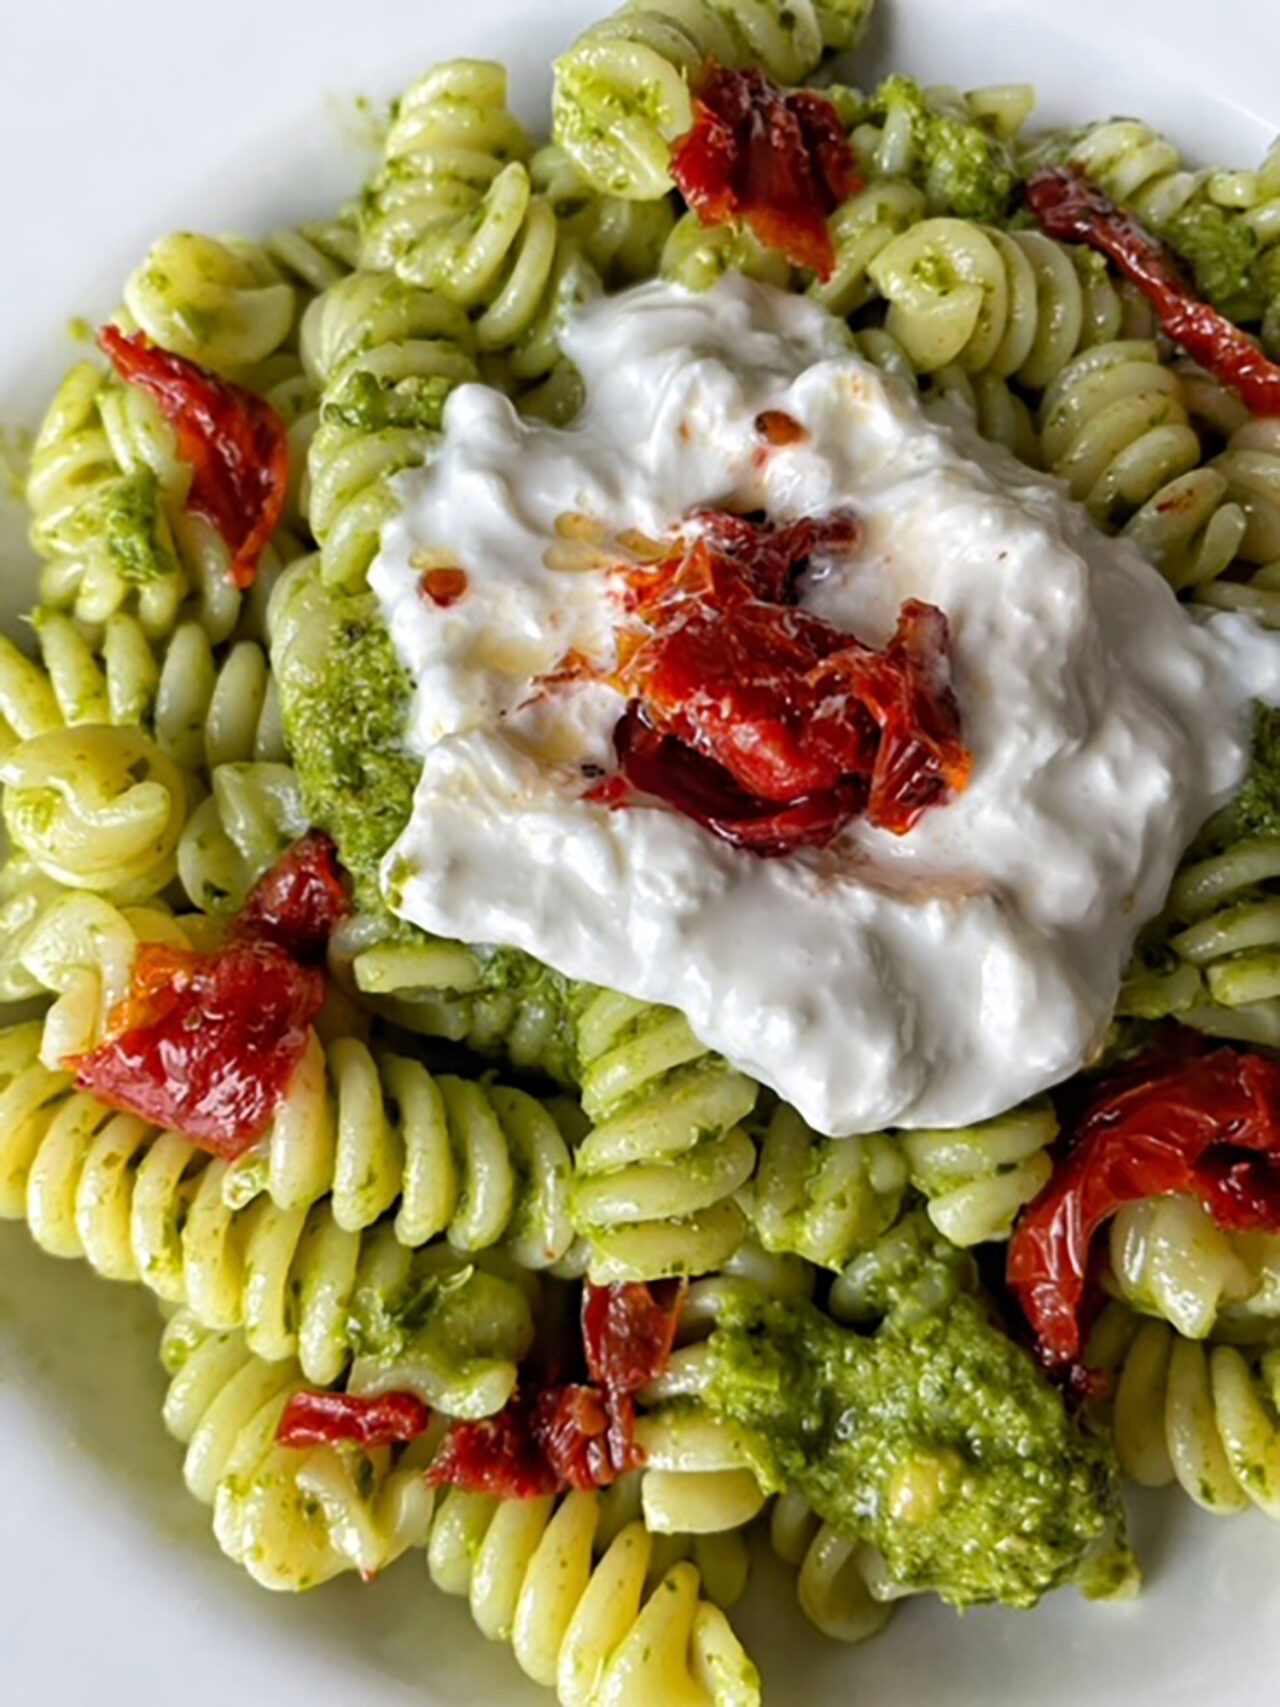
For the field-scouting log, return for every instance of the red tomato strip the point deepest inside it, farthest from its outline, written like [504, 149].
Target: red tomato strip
[233, 439]
[1071, 208]
[573, 1434]
[206, 1043]
[1207, 1127]
[768, 726]
[330, 1419]
[298, 902]
[779, 162]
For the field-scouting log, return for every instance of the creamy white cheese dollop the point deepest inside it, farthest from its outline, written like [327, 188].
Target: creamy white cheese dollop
[930, 979]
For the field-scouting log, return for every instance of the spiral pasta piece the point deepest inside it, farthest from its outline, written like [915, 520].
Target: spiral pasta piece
[99, 519]
[1169, 1258]
[238, 832]
[499, 1003]
[294, 1518]
[623, 90]
[656, 1178]
[484, 1165]
[220, 302]
[697, 255]
[96, 807]
[145, 1205]
[1013, 304]
[1250, 465]
[597, 1630]
[1206, 1418]
[1223, 923]
[450, 136]
[861, 228]
[623, 240]
[204, 706]
[836, 1579]
[384, 356]
[824, 1198]
[107, 494]
[698, 1479]
[454, 209]
[976, 1179]
[80, 948]
[1114, 425]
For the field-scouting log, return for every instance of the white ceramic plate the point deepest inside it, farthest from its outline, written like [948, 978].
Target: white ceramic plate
[118, 123]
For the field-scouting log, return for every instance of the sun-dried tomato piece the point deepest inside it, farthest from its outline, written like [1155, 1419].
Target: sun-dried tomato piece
[299, 902]
[234, 441]
[1206, 1127]
[661, 768]
[573, 1434]
[780, 163]
[330, 1419]
[628, 1330]
[1073, 209]
[767, 725]
[920, 759]
[206, 1043]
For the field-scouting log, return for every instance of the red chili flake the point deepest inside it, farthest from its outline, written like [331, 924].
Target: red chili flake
[1207, 1127]
[573, 1435]
[206, 1043]
[779, 162]
[768, 726]
[444, 586]
[298, 903]
[779, 429]
[1071, 208]
[329, 1419]
[233, 439]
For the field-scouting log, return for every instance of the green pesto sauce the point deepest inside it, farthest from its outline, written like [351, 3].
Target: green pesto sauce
[936, 1439]
[344, 723]
[345, 730]
[964, 169]
[127, 521]
[1255, 811]
[367, 404]
[1223, 255]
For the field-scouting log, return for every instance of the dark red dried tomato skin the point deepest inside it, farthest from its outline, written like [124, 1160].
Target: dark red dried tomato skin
[299, 902]
[776, 161]
[234, 441]
[1183, 1119]
[206, 1044]
[765, 724]
[1070, 207]
[573, 1434]
[332, 1419]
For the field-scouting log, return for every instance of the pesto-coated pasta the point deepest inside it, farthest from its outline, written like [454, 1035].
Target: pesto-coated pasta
[623, 90]
[292, 1517]
[384, 356]
[1207, 1418]
[1169, 1258]
[654, 1181]
[1115, 426]
[454, 209]
[96, 807]
[596, 1630]
[484, 1165]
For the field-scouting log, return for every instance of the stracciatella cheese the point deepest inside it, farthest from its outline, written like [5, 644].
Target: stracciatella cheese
[934, 978]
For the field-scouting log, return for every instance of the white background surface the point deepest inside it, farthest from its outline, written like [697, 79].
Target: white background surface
[118, 123]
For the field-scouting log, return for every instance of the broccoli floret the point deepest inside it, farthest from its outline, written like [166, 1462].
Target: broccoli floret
[964, 168]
